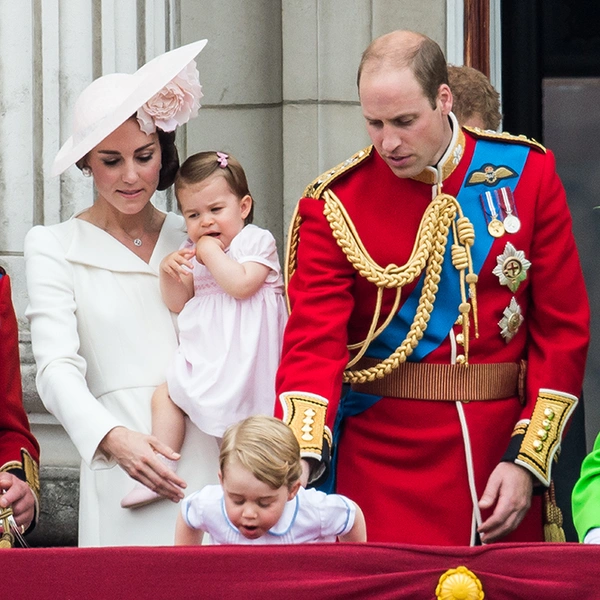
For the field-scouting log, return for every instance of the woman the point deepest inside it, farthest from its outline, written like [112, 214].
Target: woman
[101, 335]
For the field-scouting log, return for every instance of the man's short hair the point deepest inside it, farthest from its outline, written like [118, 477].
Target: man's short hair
[422, 56]
[474, 95]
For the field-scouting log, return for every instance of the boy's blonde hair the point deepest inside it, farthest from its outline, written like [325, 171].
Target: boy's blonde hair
[266, 447]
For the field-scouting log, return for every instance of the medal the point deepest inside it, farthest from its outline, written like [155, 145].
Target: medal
[512, 224]
[511, 267]
[495, 226]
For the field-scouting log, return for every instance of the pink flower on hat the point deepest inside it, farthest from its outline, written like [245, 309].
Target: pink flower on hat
[175, 104]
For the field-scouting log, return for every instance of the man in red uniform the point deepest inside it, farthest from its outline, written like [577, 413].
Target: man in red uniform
[437, 274]
[19, 450]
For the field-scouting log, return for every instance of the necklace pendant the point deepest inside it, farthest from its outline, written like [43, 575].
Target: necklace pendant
[137, 242]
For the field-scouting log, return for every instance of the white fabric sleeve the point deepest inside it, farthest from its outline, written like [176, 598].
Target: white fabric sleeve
[257, 245]
[55, 342]
[592, 536]
[337, 512]
[192, 508]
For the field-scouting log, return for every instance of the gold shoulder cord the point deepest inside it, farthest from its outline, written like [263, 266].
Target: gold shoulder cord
[427, 253]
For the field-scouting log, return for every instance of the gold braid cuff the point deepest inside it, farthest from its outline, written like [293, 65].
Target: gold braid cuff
[305, 415]
[544, 432]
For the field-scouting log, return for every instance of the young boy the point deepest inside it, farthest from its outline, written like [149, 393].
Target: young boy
[260, 499]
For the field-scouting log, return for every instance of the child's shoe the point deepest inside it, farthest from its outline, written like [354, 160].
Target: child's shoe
[141, 495]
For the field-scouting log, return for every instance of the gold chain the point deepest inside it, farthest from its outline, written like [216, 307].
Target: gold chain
[427, 254]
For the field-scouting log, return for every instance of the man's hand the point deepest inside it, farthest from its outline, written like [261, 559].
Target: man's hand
[19, 496]
[508, 490]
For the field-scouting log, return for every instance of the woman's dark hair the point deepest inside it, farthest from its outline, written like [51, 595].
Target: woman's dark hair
[170, 159]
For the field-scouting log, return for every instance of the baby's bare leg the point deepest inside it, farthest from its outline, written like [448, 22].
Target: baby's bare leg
[168, 420]
[168, 425]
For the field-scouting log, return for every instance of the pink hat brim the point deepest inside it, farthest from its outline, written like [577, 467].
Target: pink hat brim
[153, 76]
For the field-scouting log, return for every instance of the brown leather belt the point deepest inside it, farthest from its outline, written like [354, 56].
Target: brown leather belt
[422, 381]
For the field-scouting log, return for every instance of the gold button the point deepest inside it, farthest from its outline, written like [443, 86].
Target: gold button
[460, 339]
[537, 445]
[542, 434]
[460, 359]
[549, 414]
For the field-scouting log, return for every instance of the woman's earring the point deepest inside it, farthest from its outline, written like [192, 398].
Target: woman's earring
[87, 172]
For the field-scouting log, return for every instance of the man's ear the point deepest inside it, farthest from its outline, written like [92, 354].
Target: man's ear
[445, 99]
[220, 477]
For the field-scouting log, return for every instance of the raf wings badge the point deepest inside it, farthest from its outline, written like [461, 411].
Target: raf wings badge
[490, 175]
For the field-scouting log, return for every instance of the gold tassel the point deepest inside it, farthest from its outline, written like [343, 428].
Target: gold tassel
[553, 519]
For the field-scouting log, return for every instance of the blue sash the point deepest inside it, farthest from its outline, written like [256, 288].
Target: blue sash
[448, 296]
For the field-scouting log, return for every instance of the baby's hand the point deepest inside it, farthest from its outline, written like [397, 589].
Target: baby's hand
[177, 264]
[206, 244]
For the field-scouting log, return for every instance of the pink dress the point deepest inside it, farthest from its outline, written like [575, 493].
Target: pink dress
[229, 349]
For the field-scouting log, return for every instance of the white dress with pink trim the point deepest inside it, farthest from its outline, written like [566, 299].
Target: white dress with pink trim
[229, 349]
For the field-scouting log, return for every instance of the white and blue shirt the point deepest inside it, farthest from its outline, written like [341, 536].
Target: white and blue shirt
[311, 516]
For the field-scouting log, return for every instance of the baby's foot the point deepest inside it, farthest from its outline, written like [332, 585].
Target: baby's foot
[140, 495]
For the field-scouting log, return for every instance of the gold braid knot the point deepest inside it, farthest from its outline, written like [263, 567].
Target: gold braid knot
[427, 254]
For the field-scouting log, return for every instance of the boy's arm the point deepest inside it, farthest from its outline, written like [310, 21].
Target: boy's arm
[186, 535]
[358, 533]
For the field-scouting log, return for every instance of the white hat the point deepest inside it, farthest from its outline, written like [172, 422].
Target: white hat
[165, 92]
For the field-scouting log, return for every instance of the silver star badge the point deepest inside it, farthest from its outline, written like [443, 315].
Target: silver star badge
[512, 267]
[511, 321]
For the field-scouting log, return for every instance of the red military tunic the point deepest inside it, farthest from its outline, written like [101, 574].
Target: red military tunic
[404, 460]
[19, 450]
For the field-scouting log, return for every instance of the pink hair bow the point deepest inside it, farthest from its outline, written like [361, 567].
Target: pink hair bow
[222, 159]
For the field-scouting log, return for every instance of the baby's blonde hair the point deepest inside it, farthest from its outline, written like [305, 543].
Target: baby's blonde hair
[266, 447]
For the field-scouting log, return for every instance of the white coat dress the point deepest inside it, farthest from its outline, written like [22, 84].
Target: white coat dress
[102, 339]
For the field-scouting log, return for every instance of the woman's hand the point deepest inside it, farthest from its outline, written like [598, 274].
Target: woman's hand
[136, 453]
[19, 496]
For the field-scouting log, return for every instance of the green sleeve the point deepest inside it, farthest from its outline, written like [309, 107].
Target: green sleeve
[586, 493]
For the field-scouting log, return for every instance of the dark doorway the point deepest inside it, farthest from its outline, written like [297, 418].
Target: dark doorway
[551, 92]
